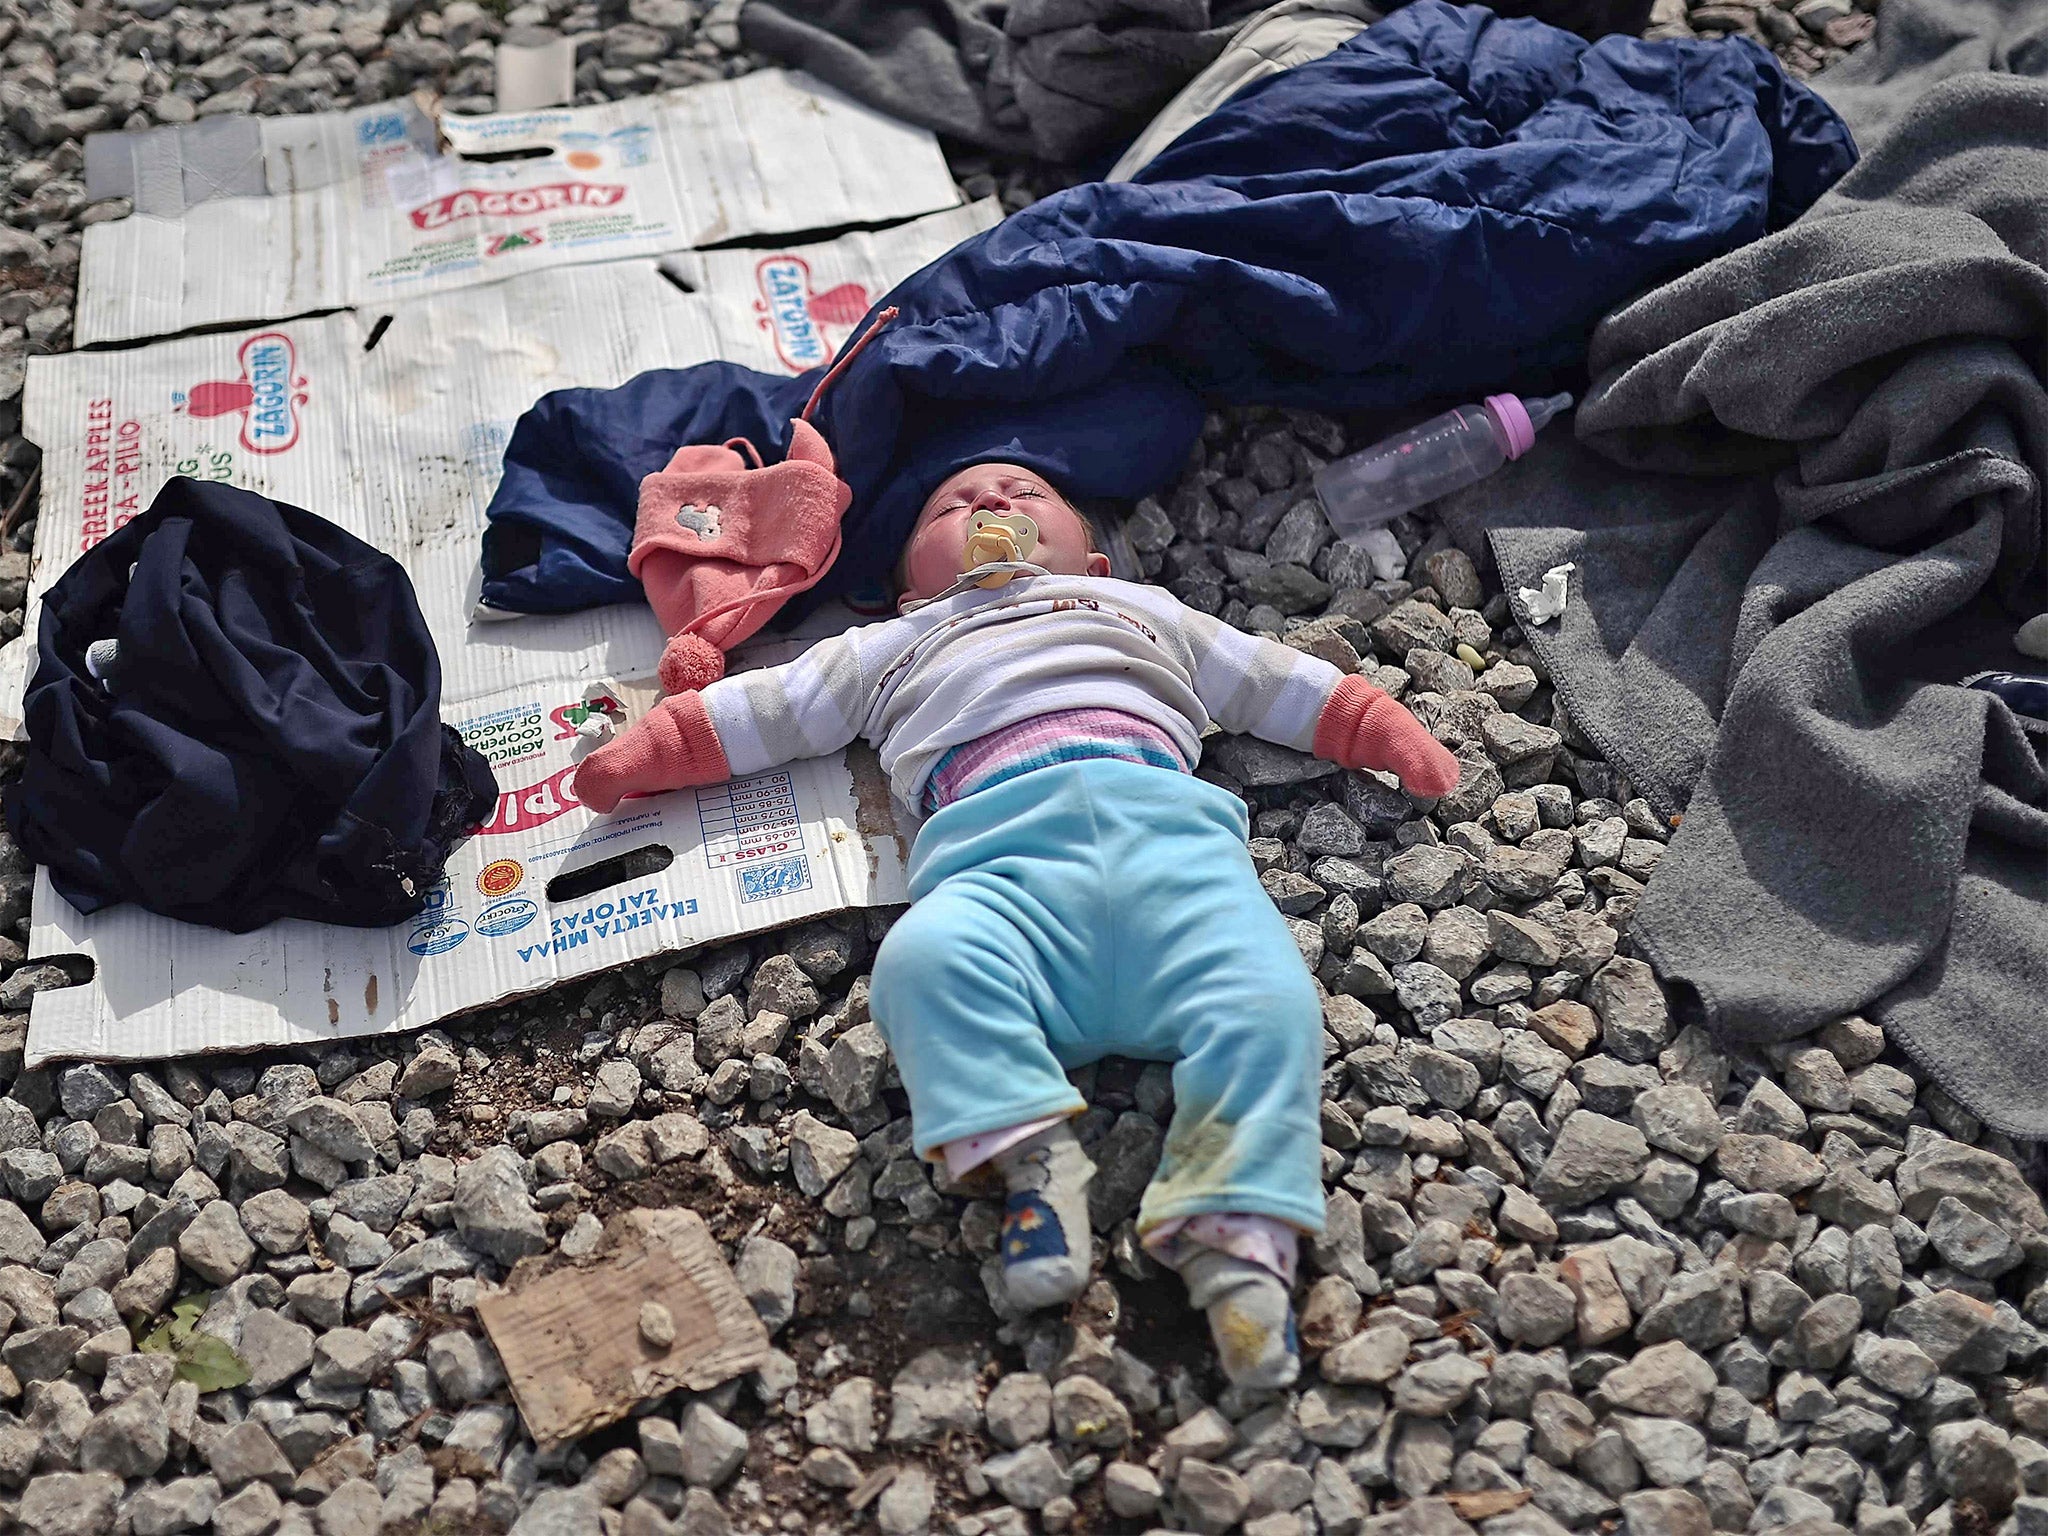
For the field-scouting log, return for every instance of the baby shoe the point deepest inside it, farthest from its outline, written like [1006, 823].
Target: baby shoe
[1046, 1246]
[1250, 1318]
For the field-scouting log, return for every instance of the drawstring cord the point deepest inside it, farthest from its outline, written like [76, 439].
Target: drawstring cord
[846, 357]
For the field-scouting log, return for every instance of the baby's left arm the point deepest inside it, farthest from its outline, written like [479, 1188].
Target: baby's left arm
[1282, 695]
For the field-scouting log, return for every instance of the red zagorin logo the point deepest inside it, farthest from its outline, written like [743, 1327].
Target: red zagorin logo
[515, 202]
[269, 394]
[797, 317]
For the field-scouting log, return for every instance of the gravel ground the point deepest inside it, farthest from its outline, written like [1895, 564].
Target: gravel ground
[1583, 1268]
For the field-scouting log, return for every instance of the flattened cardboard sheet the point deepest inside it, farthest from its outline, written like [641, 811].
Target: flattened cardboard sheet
[368, 206]
[401, 443]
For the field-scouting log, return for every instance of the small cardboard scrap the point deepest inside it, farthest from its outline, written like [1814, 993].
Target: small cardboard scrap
[254, 218]
[393, 425]
[571, 1340]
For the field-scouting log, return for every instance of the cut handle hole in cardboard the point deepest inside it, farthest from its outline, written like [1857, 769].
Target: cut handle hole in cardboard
[634, 864]
[497, 156]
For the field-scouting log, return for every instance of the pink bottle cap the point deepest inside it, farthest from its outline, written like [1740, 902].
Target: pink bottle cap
[1512, 417]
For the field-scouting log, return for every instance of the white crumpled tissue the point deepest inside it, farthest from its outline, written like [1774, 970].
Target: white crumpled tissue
[1547, 602]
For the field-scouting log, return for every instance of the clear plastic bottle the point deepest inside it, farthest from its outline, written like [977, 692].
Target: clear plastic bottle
[1370, 488]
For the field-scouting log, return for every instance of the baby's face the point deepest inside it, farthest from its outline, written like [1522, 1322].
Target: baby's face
[937, 550]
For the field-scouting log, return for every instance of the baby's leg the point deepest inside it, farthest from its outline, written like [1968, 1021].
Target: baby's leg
[961, 993]
[1246, 1139]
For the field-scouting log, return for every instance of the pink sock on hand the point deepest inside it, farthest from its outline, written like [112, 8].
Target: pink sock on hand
[673, 747]
[1362, 727]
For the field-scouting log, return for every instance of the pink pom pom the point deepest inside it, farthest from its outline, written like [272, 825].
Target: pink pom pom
[689, 663]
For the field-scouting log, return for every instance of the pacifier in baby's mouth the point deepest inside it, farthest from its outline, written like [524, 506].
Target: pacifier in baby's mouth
[994, 540]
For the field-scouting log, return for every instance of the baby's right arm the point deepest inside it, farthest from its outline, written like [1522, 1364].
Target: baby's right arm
[738, 725]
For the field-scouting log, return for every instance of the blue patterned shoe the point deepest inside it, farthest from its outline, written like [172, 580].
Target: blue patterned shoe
[1046, 1246]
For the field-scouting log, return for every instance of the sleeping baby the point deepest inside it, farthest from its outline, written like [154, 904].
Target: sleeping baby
[1076, 892]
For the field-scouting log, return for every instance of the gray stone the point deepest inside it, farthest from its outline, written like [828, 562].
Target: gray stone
[331, 1126]
[853, 1069]
[936, 1394]
[1972, 1244]
[1678, 1118]
[1019, 1409]
[845, 1420]
[1665, 1380]
[1634, 1023]
[614, 1089]
[1765, 1162]
[905, 1507]
[1436, 1387]
[275, 1349]
[1429, 877]
[1671, 1454]
[1372, 1357]
[1428, 994]
[819, 1153]
[1593, 1156]
[1029, 1478]
[1826, 1330]
[70, 1503]
[1985, 1182]
[1974, 1460]
[1702, 1309]
[433, 1069]
[561, 1511]
[131, 1438]
[1535, 1310]
[1895, 1366]
[1133, 1493]
[1953, 1329]
[711, 1448]
[183, 1504]
[353, 1245]
[214, 1246]
[767, 1271]
[465, 1368]
[252, 1512]
[1665, 1512]
[1125, 1161]
[1088, 1414]
[493, 1211]
[246, 1453]
[1209, 1498]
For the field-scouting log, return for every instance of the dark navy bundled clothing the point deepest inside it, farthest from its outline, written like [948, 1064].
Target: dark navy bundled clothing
[265, 739]
[1444, 206]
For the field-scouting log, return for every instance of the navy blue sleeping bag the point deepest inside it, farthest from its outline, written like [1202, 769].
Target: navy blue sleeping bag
[265, 739]
[1444, 206]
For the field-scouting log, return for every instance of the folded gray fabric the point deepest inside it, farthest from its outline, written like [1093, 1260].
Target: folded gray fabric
[1058, 79]
[1922, 42]
[1804, 505]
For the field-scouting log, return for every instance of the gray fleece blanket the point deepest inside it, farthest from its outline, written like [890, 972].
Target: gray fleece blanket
[1920, 43]
[1805, 502]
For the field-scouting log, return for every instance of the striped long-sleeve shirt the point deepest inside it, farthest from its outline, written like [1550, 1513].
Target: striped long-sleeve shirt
[977, 661]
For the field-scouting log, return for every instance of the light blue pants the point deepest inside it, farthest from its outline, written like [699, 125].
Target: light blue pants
[1103, 908]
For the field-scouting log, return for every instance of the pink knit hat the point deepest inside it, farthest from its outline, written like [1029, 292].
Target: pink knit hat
[719, 544]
